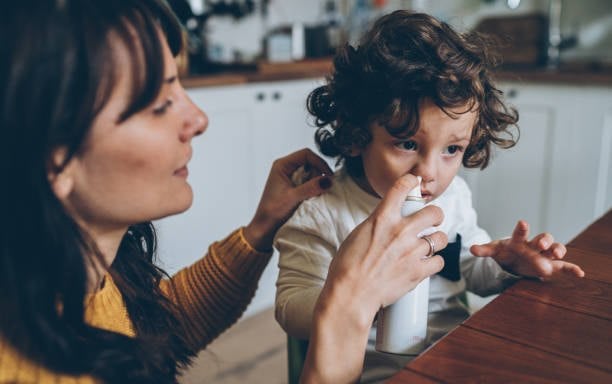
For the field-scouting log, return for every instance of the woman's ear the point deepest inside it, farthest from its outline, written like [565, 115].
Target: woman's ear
[60, 175]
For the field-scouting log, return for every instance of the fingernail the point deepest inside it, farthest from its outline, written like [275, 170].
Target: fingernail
[325, 182]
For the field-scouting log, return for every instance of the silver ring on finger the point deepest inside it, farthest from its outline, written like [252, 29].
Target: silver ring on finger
[432, 245]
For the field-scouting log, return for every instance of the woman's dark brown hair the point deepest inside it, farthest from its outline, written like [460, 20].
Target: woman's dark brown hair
[403, 59]
[57, 69]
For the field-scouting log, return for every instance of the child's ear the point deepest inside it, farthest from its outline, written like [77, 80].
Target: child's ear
[60, 178]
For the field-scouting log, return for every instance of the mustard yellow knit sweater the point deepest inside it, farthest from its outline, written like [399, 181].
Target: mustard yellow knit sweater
[213, 293]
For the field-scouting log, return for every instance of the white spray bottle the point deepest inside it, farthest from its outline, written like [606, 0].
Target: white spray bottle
[402, 326]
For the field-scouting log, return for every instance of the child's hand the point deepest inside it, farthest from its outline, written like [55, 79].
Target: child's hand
[541, 257]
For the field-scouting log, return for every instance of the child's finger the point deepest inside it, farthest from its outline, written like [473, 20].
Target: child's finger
[521, 231]
[484, 250]
[542, 242]
[573, 269]
[556, 252]
[568, 268]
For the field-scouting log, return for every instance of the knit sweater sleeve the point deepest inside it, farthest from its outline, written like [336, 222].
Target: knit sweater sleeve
[214, 292]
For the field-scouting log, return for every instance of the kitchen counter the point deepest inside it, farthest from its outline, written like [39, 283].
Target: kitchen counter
[573, 74]
[303, 69]
[567, 75]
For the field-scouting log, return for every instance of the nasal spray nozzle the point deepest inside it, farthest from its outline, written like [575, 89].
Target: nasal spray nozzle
[414, 200]
[402, 326]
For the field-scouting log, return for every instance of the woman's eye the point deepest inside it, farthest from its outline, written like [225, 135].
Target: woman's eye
[453, 149]
[162, 108]
[407, 145]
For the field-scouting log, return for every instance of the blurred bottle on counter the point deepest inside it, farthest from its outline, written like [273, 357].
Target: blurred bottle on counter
[201, 56]
[333, 20]
[361, 15]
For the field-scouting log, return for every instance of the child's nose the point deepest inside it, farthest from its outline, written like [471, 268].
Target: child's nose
[426, 168]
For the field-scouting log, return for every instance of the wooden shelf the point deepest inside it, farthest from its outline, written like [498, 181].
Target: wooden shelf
[311, 68]
[266, 71]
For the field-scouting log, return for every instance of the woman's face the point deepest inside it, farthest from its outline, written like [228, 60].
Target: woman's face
[135, 170]
[435, 152]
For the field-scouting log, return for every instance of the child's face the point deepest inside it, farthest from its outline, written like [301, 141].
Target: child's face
[435, 152]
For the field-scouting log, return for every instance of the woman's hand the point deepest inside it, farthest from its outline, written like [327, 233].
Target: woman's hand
[380, 261]
[281, 196]
[540, 257]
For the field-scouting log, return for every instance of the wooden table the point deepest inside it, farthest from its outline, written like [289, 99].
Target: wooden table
[534, 332]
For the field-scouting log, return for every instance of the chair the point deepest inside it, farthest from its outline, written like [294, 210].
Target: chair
[296, 355]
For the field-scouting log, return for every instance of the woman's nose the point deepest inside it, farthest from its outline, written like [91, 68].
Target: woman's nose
[195, 122]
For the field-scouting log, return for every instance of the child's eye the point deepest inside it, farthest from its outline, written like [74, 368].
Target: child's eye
[409, 145]
[453, 149]
[162, 108]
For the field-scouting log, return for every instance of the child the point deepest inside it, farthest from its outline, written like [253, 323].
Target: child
[414, 97]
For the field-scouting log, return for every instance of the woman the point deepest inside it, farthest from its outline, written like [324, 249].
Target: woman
[96, 141]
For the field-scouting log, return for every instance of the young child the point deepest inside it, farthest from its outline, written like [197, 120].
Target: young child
[414, 97]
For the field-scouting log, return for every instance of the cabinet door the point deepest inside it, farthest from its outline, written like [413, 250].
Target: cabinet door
[281, 122]
[220, 175]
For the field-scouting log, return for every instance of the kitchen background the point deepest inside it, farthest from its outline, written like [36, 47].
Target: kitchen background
[236, 31]
[251, 65]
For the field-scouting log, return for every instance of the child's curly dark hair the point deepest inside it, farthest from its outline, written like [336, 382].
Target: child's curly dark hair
[403, 59]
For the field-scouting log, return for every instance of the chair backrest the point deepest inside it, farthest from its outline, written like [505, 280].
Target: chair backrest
[296, 355]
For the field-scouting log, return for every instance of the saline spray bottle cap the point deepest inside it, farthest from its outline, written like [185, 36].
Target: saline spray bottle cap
[414, 200]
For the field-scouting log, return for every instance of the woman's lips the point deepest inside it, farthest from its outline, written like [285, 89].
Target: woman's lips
[182, 172]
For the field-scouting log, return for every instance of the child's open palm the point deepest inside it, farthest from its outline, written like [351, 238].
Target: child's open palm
[540, 257]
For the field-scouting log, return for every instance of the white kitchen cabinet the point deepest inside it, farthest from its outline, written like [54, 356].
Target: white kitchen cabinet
[249, 126]
[558, 177]
[281, 123]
